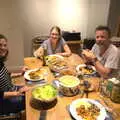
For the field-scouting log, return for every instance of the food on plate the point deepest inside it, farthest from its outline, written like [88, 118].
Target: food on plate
[44, 92]
[86, 69]
[55, 61]
[69, 80]
[68, 71]
[37, 74]
[88, 111]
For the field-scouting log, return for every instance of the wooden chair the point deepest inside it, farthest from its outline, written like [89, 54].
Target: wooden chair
[11, 116]
[88, 43]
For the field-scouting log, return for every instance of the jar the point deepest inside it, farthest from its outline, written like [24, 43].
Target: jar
[109, 87]
[102, 87]
[115, 94]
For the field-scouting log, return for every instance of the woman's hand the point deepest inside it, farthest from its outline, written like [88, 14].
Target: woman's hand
[24, 69]
[39, 53]
[12, 94]
[24, 89]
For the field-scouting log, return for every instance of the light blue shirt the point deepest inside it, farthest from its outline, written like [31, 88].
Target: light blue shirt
[60, 46]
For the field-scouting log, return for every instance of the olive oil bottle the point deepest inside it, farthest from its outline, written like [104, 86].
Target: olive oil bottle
[45, 54]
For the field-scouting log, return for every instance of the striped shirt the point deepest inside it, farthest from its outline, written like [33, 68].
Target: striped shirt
[5, 79]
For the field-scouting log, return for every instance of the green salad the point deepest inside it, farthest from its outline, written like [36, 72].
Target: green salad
[45, 92]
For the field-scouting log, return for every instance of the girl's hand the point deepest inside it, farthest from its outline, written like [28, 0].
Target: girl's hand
[24, 69]
[12, 94]
[24, 89]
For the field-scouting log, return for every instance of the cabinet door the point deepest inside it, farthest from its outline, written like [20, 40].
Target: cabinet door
[118, 28]
[75, 46]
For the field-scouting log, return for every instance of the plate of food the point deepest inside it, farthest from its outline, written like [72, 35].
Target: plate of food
[55, 62]
[87, 109]
[35, 74]
[86, 69]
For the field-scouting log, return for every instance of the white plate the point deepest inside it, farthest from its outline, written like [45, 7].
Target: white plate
[84, 65]
[57, 56]
[27, 77]
[80, 66]
[50, 56]
[55, 64]
[73, 107]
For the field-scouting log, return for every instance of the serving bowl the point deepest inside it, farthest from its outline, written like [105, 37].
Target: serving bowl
[55, 62]
[69, 85]
[43, 97]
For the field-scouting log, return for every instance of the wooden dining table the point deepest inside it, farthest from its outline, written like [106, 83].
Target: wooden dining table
[61, 110]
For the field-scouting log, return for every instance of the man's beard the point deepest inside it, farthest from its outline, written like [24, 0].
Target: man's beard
[101, 45]
[3, 58]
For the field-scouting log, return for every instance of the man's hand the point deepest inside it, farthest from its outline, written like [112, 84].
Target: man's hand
[88, 56]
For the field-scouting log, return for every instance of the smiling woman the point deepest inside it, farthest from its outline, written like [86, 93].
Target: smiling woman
[55, 45]
[3, 48]
[11, 97]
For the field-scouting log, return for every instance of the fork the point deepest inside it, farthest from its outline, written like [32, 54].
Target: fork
[109, 109]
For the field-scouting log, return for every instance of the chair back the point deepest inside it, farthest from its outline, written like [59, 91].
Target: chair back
[11, 116]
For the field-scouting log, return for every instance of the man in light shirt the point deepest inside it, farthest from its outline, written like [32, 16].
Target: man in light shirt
[104, 55]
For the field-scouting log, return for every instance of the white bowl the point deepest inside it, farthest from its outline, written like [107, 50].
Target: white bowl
[67, 88]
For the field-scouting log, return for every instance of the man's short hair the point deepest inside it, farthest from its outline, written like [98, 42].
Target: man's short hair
[106, 28]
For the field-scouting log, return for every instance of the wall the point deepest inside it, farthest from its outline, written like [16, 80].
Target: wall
[98, 15]
[11, 28]
[114, 15]
[25, 19]
[40, 15]
[80, 15]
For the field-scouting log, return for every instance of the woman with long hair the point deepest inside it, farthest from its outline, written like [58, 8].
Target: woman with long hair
[54, 45]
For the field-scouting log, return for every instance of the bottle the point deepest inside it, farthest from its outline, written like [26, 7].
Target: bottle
[45, 54]
[115, 93]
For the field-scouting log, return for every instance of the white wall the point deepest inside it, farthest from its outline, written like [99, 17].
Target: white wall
[10, 27]
[98, 15]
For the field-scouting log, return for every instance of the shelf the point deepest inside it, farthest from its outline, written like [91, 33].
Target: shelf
[74, 45]
[74, 42]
